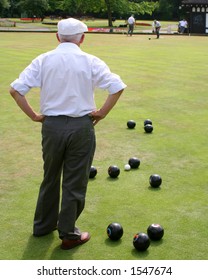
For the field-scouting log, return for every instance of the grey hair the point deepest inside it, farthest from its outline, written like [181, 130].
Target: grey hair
[70, 38]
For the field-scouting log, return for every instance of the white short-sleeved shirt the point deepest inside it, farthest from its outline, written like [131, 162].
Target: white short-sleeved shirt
[157, 24]
[131, 20]
[67, 77]
[183, 23]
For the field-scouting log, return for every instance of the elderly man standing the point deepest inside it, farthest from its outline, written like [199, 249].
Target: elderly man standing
[131, 22]
[67, 77]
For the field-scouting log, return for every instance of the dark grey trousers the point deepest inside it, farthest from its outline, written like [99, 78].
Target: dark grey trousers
[68, 146]
[158, 32]
[131, 29]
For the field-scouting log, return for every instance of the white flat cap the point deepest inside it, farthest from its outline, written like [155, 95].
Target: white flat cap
[71, 26]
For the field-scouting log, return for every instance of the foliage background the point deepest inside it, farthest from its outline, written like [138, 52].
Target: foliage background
[163, 9]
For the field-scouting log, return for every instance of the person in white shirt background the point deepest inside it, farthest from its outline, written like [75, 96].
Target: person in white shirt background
[183, 25]
[156, 28]
[67, 78]
[131, 23]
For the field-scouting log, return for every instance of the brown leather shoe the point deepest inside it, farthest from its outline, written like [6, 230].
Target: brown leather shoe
[70, 243]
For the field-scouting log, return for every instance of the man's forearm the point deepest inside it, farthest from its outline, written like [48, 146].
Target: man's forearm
[105, 109]
[25, 106]
[110, 102]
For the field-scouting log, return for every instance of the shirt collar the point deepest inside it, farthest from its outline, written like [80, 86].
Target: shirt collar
[67, 45]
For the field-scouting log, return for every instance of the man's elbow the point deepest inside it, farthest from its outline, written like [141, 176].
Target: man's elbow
[12, 91]
[15, 94]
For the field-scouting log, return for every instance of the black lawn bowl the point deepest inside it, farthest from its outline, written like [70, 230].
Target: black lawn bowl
[134, 162]
[141, 241]
[147, 121]
[114, 231]
[148, 128]
[155, 180]
[131, 124]
[155, 232]
[113, 171]
[93, 172]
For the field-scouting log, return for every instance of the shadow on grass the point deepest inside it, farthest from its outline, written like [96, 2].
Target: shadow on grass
[148, 133]
[60, 254]
[113, 243]
[154, 189]
[92, 179]
[156, 243]
[144, 254]
[140, 254]
[37, 247]
[112, 179]
[131, 129]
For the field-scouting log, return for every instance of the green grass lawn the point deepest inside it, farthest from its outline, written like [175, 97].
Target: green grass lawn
[167, 82]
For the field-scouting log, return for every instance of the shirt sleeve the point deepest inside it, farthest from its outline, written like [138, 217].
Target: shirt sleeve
[103, 78]
[29, 78]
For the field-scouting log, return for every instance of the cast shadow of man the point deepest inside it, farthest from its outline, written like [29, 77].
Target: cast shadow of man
[37, 247]
[46, 248]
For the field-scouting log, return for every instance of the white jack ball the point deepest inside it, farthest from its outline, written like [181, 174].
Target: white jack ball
[127, 167]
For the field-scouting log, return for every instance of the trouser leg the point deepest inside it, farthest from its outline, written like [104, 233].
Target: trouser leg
[131, 29]
[77, 162]
[47, 209]
[68, 144]
[158, 32]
